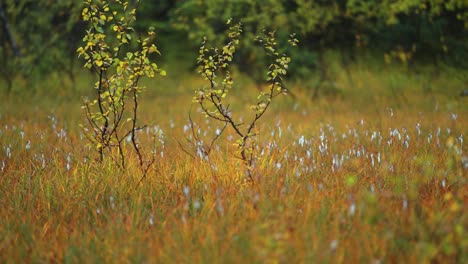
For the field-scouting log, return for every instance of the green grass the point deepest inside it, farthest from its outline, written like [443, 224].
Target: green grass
[373, 174]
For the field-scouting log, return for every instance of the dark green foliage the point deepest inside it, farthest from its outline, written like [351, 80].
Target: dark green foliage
[402, 31]
[46, 33]
[207, 18]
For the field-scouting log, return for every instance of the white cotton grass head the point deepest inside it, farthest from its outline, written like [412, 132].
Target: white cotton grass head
[8, 151]
[352, 209]
[196, 204]
[186, 191]
[454, 116]
[278, 165]
[151, 220]
[68, 165]
[334, 244]
[301, 141]
[28, 145]
[112, 201]
[405, 203]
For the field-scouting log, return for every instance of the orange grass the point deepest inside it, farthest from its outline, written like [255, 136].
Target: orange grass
[370, 180]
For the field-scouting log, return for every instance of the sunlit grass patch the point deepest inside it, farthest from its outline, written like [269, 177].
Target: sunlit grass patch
[335, 180]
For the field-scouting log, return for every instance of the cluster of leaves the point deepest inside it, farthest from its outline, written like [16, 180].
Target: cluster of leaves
[119, 67]
[213, 98]
[44, 37]
[108, 51]
[46, 31]
[207, 18]
[419, 27]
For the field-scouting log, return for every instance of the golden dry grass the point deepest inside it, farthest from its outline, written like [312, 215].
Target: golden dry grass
[366, 179]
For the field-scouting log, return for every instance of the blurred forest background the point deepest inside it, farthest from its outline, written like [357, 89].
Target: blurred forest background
[425, 38]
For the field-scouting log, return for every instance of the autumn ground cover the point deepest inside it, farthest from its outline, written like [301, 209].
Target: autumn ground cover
[374, 174]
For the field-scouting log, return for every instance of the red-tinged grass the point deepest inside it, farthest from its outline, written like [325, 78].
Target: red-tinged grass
[339, 195]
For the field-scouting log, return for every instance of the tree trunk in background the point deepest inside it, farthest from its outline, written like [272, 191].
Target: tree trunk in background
[323, 73]
[6, 29]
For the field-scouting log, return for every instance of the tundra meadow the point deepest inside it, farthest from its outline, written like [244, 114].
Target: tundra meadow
[335, 181]
[374, 172]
